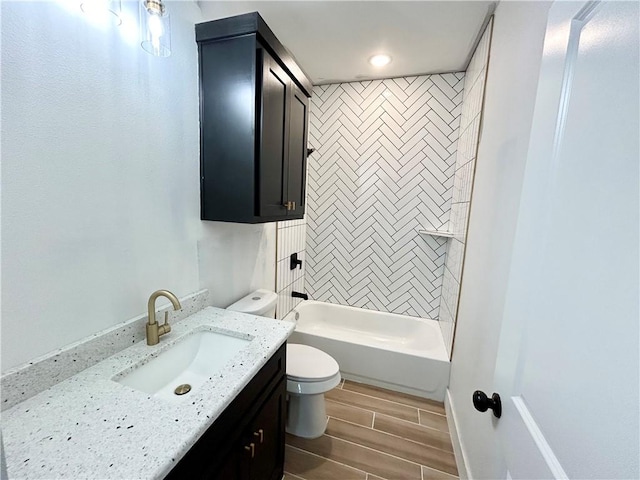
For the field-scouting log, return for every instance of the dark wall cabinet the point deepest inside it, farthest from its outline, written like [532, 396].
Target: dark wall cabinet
[247, 441]
[254, 114]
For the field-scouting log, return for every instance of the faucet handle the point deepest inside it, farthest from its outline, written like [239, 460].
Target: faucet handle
[165, 327]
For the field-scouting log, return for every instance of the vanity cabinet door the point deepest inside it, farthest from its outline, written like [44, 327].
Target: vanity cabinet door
[231, 468]
[259, 455]
[266, 432]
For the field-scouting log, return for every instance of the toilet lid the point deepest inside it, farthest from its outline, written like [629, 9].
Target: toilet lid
[305, 363]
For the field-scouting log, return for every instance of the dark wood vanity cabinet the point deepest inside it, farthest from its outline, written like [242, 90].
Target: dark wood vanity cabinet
[246, 442]
[254, 114]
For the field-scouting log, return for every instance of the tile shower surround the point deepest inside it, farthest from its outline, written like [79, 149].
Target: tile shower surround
[383, 169]
[462, 185]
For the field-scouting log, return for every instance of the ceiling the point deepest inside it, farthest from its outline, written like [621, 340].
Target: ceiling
[333, 40]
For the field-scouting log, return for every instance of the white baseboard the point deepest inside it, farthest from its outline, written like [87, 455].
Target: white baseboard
[461, 462]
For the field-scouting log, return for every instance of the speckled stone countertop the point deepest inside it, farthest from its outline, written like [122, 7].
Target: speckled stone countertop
[89, 426]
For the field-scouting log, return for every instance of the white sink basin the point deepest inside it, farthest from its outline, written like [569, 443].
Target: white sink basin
[191, 361]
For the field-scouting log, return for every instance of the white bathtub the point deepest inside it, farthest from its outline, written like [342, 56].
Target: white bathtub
[397, 352]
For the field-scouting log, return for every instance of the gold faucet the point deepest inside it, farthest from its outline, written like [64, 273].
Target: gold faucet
[154, 331]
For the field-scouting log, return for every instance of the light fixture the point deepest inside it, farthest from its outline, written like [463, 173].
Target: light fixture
[380, 60]
[103, 10]
[155, 29]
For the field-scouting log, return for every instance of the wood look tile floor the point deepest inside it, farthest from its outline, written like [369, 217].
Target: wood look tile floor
[375, 434]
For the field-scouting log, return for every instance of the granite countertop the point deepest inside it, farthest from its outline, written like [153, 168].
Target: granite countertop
[89, 426]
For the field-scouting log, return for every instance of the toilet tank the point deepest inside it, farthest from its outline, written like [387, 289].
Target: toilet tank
[260, 302]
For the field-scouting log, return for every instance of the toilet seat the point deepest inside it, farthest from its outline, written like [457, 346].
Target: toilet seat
[310, 371]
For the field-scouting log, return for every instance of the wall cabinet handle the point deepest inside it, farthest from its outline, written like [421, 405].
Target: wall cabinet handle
[259, 433]
[251, 448]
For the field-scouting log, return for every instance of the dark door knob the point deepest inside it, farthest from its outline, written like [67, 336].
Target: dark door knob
[482, 403]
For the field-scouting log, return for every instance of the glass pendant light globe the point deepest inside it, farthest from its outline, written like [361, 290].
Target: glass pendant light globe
[103, 11]
[155, 28]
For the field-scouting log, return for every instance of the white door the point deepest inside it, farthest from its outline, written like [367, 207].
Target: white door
[567, 366]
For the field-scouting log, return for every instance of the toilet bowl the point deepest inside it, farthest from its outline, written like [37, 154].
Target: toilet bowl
[310, 373]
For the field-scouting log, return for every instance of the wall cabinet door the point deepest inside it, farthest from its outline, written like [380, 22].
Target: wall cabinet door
[275, 91]
[298, 131]
[283, 120]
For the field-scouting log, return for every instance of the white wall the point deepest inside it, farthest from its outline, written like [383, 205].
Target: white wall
[514, 64]
[236, 259]
[100, 189]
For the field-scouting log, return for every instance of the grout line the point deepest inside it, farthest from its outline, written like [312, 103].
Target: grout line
[440, 471]
[410, 440]
[368, 475]
[374, 450]
[359, 408]
[325, 458]
[350, 423]
[390, 401]
[432, 428]
[293, 475]
[396, 402]
[419, 424]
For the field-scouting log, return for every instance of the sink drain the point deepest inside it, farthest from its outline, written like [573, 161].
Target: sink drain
[182, 389]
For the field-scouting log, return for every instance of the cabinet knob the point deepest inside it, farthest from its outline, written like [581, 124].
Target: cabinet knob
[259, 433]
[287, 205]
[251, 448]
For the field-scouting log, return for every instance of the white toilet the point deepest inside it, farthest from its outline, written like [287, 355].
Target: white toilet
[310, 373]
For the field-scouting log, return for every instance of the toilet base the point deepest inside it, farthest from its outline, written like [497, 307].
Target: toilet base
[306, 415]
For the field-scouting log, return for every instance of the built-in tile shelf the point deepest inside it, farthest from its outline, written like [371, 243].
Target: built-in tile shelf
[436, 233]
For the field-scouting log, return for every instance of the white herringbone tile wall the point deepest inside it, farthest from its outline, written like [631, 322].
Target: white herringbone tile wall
[462, 185]
[383, 169]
